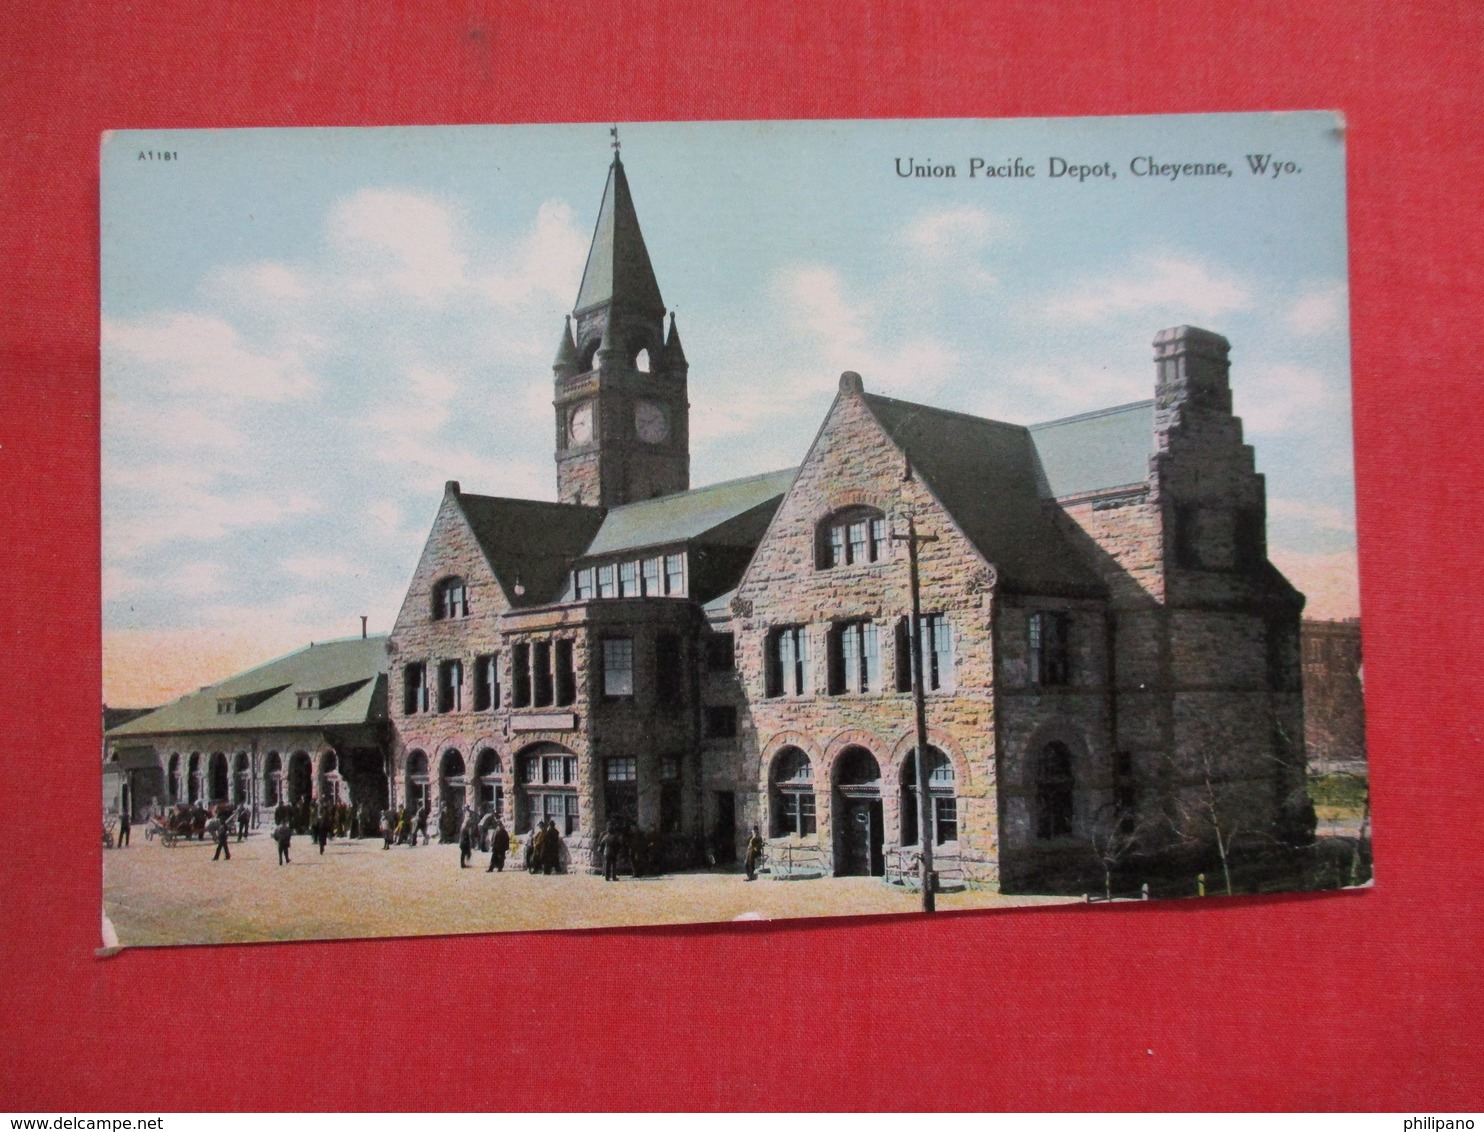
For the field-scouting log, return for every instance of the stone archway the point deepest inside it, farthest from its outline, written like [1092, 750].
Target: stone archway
[858, 815]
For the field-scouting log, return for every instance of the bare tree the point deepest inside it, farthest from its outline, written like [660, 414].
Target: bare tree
[1114, 836]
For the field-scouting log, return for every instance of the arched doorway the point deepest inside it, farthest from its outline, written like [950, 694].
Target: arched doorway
[273, 779]
[858, 818]
[489, 781]
[452, 793]
[301, 775]
[218, 779]
[791, 795]
[331, 784]
[195, 784]
[417, 780]
[943, 805]
[172, 783]
[241, 780]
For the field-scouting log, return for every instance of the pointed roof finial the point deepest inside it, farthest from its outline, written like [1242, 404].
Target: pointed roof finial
[614, 143]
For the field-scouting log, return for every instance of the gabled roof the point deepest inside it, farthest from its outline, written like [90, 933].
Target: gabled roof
[686, 515]
[985, 473]
[530, 542]
[618, 268]
[269, 694]
[1094, 451]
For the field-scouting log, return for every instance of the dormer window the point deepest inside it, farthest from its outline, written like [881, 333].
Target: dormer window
[851, 538]
[226, 706]
[451, 599]
[309, 701]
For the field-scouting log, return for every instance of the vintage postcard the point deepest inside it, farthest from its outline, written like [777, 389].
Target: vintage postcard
[533, 527]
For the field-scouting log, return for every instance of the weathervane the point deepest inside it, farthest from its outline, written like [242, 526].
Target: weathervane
[614, 131]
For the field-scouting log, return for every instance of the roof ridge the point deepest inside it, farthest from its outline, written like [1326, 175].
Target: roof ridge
[944, 412]
[703, 487]
[1093, 414]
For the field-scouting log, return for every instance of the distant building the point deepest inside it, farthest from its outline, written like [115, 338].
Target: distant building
[1334, 703]
[312, 723]
[1106, 645]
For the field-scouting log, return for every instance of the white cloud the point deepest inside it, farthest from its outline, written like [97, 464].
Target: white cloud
[402, 240]
[1187, 289]
[199, 354]
[318, 566]
[1318, 310]
[185, 512]
[1283, 397]
[951, 243]
[546, 261]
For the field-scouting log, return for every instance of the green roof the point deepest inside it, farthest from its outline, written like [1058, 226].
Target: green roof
[354, 670]
[530, 541]
[688, 515]
[985, 474]
[1095, 451]
[618, 267]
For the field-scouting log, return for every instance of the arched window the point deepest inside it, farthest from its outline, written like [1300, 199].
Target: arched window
[590, 355]
[641, 360]
[241, 777]
[1054, 787]
[857, 814]
[301, 777]
[450, 599]
[851, 537]
[943, 805]
[174, 780]
[791, 783]
[195, 787]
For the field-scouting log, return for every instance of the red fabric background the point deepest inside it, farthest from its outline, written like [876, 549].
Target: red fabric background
[1359, 1000]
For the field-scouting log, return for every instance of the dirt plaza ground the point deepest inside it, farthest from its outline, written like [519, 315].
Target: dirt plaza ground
[153, 895]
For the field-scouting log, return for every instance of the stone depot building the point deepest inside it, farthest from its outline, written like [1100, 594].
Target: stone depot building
[1107, 650]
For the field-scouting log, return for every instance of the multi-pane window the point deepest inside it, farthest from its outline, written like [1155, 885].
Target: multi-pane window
[788, 661]
[669, 670]
[1049, 660]
[628, 579]
[675, 575]
[622, 769]
[520, 675]
[937, 654]
[653, 573]
[942, 805]
[1055, 786]
[486, 683]
[451, 599]
[618, 667]
[855, 662]
[583, 584]
[550, 782]
[607, 581]
[451, 685]
[415, 688]
[621, 789]
[853, 537]
[793, 795]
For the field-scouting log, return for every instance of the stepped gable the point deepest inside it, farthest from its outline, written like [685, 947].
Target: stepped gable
[530, 541]
[349, 673]
[986, 474]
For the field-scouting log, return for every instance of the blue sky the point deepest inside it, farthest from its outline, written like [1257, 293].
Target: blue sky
[306, 332]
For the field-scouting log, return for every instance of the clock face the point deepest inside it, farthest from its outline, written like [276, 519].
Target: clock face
[580, 423]
[651, 422]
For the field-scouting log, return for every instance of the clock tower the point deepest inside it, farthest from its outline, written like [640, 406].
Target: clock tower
[622, 413]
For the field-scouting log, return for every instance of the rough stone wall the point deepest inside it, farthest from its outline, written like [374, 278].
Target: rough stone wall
[854, 463]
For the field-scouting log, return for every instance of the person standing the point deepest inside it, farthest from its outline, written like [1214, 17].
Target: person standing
[243, 817]
[322, 834]
[612, 844]
[282, 834]
[123, 841]
[422, 823]
[754, 853]
[551, 850]
[466, 841]
[218, 830]
[499, 846]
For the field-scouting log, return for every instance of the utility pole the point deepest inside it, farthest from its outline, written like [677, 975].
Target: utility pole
[925, 825]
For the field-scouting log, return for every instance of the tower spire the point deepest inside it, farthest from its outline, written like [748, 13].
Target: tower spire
[618, 271]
